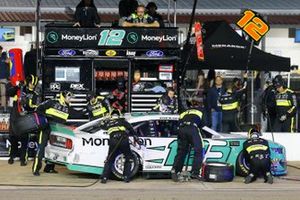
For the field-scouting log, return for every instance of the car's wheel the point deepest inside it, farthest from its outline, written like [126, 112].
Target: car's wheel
[118, 166]
[242, 167]
[218, 172]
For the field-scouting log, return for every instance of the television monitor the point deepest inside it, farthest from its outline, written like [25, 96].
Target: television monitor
[7, 34]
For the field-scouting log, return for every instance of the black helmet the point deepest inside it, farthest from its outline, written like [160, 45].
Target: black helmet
[65, 94]
[278, 81]
[254, 133]
[32, 79]
[121, 83]
[150, 5]
[90, 96]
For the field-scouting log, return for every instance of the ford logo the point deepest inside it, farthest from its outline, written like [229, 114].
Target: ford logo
[154, 53]
[67, 52]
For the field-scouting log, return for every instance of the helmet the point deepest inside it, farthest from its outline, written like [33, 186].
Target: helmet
[254, 133]
[121, 84]
[65, 95]
[278, 81]
[31, 79]
[115, 113]
[150, 5]
[90, 96]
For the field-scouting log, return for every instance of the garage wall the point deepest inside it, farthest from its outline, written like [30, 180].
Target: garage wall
[278, 43]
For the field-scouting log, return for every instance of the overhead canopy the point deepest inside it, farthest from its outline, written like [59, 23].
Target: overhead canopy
[224, 48]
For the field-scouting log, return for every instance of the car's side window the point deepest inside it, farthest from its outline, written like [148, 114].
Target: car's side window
[167, 128]
[146, 128]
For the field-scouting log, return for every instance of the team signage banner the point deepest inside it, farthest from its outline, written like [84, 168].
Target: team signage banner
[117, 38]
[71, 53]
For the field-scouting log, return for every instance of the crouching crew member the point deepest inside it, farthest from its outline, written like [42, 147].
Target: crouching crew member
[26, 101]
[56, 110]
[119, 130]
[98, 106]
[257, 153]
[190, 123]
[286, 106]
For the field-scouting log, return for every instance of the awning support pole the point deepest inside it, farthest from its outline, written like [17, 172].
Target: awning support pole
[37, 42]
[169, 6]
[252, 81]
[175, 13]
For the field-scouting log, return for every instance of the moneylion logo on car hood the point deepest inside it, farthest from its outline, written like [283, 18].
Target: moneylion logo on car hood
[155, 38]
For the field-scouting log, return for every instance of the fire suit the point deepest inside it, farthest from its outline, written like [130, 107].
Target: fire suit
[166, 104]
[190, 123]
[55, 111]
[257, 153]
[269, 106]
[13, 137]
[98, 108]
[286, 108]
[119, 130]
[230, 105]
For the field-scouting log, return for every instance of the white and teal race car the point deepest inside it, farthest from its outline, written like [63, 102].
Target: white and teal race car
[85, 148]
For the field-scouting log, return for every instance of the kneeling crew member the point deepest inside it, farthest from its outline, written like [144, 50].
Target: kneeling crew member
[257, 153]
[286, 107]
[56, 111]
[119, 130]
[98, 106]
[190, 123]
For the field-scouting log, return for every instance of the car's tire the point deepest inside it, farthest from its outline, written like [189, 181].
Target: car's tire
[118, 166]
[242, 167]
[217, 172]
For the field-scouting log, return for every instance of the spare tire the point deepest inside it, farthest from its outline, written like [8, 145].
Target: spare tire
[217, 172]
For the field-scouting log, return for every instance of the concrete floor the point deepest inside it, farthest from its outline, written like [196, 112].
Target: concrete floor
[52, 186]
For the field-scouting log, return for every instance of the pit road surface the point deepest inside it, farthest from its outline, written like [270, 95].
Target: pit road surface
[139, 188]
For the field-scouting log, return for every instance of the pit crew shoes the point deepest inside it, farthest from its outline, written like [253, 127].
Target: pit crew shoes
[104, 180]
[249, 179]
[269, 178]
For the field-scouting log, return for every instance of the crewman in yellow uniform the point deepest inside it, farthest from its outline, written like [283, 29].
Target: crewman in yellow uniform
[56, 110]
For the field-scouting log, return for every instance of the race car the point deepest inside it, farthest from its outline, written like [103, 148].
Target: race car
[85, 148]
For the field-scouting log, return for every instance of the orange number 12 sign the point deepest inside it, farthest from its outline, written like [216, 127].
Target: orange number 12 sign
[253, 25]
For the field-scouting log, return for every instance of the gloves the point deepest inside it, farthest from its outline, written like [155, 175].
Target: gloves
[282, 118]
